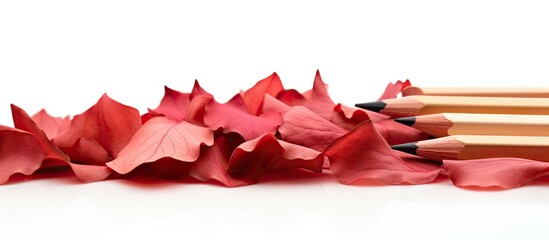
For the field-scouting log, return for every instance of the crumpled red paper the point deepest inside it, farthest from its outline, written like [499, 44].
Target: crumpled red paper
[264, 128]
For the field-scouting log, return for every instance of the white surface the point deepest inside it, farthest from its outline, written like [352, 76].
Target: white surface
[62, 55]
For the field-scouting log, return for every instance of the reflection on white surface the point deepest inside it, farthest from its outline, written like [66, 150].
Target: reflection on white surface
[276, 208]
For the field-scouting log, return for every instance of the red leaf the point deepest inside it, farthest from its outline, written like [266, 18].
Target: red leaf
[90, 173]
[252, 158]
[271, 104]
[87, 151]
[198, 91]
[147, 116]
[161, 137]
[305, 128]
[20, 152]
[316, 99]
[54, 156]
[393, 89]
[494, 172]
[173, 105]
[214, 162]
[320, 102]
[108, 122]
[52, 126]
[290, 97]
[197, 109]
[397, 133]
[393, 132]
[253, 97]
[233, 116]
[363, 155]
[21, 120]
[349, 117]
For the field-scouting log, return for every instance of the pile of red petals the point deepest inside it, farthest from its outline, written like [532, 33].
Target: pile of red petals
[262, 129]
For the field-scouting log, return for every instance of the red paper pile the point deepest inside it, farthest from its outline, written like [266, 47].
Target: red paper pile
[264, 128]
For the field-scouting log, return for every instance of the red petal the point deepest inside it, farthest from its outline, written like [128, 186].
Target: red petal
[234, 117]
[393, 89]
[256, 156]
[87, 151]
[52, 126]
[197, 109]
[349, 117]
[174, 105]
[54, 156]
[20, 152]
[253, 97]
[305, 128]
[108, 122]
[199, 91]
[320, 102]
[271, 104]
[397, 133]
[393, 132]
[21, 120]
[494, 172]
[161, 137]
[316, 100]
[90, 173]
[291, 97]
[147, 116]
[359, 115]
[214, 162]
[363, 155]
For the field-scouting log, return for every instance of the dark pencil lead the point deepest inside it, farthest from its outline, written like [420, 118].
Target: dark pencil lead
[410, 121]
[372, 106]
[406, 147]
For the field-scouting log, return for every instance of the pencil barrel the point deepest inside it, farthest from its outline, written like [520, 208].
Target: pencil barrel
[481, 123]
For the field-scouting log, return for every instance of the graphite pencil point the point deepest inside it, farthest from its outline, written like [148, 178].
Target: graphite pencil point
[409, 121]
[410, 148]
[372, 106]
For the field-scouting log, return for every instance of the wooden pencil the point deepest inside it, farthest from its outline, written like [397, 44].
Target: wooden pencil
[421, 105]
[445, 124]
[480, 92]
[465, 147]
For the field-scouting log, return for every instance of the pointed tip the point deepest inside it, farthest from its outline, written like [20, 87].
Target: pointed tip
[410, 148]
[274, 76]
[409, 121]
[406, 84]
[170, 91]
[42, 111]
[196, 85]
[372, 106]
[105, 96]
[318, 78]
[15, 108]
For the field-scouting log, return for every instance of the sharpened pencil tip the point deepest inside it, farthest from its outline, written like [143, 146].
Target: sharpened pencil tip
[409, 121]
[410, 148]
[372, 106]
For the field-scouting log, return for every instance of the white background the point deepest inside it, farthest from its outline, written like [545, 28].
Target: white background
[62, 55]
